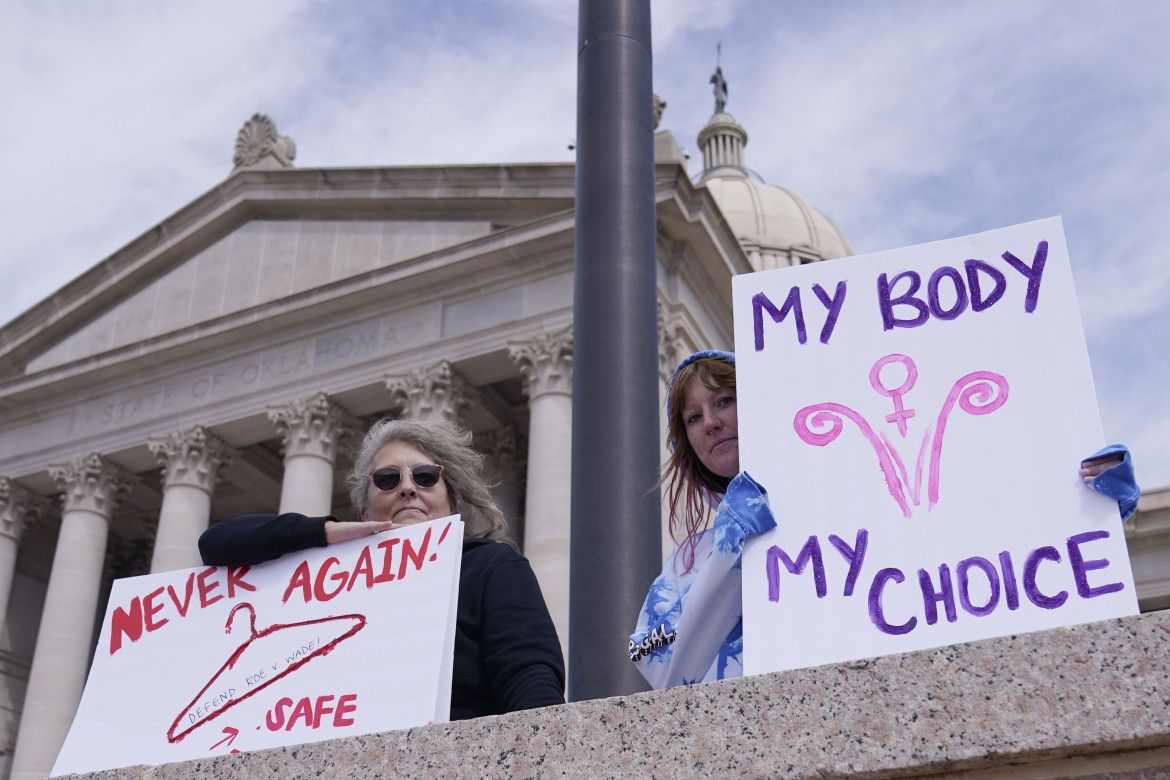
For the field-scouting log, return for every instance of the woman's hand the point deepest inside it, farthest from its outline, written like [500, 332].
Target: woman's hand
[343, 532]
[1094, 466]
[1109, 471]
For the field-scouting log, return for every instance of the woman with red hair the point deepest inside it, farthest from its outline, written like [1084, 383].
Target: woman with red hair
[690, 628]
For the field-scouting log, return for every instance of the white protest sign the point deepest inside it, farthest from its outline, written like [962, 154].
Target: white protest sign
[918, 417]
[348, 639]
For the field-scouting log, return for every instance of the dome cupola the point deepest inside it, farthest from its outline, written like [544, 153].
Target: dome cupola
[774, 225]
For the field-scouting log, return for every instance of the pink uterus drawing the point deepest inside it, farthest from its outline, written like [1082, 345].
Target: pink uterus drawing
[977, 393]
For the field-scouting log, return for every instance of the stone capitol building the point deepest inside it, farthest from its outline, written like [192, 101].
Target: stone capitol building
[227, 361]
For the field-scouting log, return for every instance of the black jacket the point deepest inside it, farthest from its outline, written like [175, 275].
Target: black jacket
[507, 656]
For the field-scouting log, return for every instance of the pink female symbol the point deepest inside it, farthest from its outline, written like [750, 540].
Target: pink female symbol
[899, 415]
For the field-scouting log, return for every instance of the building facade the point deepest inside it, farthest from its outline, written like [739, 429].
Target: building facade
[228, 360]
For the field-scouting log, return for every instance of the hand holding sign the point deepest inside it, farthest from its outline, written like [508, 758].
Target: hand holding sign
[344, 532]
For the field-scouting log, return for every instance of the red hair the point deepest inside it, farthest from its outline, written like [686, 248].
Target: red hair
[691, 488]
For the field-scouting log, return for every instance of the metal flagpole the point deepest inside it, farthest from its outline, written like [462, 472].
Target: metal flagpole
[616, 542]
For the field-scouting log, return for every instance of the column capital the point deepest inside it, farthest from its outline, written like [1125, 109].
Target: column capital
[19, 508]
[192, 457]
[503, 449]
[92, 483]
[127, 557]
[668, 343]
[435, 393]
[312, 426]
[501, 442]
[671, 254]
[545, 362]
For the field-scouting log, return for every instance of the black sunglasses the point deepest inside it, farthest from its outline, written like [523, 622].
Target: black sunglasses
[423, 476]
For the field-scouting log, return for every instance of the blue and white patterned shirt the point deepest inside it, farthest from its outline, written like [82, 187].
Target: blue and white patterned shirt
[691, 628]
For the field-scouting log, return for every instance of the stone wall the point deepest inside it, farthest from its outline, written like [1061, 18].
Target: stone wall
[1087, 701]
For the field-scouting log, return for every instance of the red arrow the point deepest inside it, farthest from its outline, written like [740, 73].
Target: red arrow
[231, 734]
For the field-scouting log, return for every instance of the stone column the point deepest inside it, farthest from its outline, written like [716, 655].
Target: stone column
[668, 359]
[435, 393]
[311, 429]
[19, 507]
[93, 486]
[502, 470]
[546, 364]
[191, 460]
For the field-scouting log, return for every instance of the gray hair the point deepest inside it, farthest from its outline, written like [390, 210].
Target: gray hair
[450, 447]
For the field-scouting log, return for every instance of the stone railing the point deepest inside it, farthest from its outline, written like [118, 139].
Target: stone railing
[1087, 701]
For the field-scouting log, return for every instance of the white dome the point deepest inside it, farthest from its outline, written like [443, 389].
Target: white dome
[775, 222]
[775, 226]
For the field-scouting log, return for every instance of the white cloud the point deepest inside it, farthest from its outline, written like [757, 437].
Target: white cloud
[913, 121]
[905, 121]
[106, 121]
[672, 18]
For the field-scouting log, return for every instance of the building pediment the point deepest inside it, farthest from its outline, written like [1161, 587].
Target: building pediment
[265, 236]
[275, 249]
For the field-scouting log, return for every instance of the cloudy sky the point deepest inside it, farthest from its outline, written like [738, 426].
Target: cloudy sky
[904, 120]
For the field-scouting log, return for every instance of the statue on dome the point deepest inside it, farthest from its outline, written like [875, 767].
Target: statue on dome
[720, 89]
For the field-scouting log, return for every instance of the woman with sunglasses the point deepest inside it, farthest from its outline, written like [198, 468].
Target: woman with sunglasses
[690, 628]
[507, 655]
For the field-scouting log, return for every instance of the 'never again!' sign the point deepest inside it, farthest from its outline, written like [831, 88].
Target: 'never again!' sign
[353, 638]
[918, 417]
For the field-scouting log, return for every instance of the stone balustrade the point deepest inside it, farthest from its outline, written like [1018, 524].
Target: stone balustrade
[1087, 701]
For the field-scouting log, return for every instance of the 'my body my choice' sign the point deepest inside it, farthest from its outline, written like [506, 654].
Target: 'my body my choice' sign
[918, 417]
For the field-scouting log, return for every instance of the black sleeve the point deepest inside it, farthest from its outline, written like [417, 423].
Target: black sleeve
[246, 540]
[519, 646]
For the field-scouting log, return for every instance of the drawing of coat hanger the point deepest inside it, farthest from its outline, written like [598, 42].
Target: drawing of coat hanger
[231, 676]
